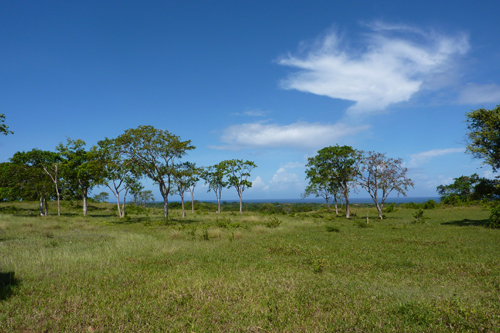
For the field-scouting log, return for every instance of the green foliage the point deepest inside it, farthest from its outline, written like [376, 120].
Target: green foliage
[390, 208]
[273, 222]
[101, 197]
[154, 152]
[430, 204]
[419, 216]
[484, 135]
[494, 220]
[331, 172]
[469, 188]
[4, 129]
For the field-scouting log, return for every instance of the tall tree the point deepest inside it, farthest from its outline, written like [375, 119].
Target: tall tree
[50, 162]
[322, 189]
[155, 153]
[81, 169]
[214, 176]
[4, 129]
[30, 179]
[119, 174]
[238, 172]
[382, 175]
[335, 167]
[195, 178]
[185, 178]
[484, 136]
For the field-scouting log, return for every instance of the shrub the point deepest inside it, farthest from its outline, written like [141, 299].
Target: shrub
[419, 216]
[430, 204]
[390, 208]
[273, 222]
[494, 220]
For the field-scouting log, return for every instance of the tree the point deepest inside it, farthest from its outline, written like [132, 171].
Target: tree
[154, 152]
[81, 169]
[50, 163]
[382, 175]
[214, 177]
[468, 188]
[29, 179]
[101, 197]
[335, 166]
[119, 175]
[321, 185]
[195, 178]
[238, 173]
[4, 129]
[484, 135]
[185, 179]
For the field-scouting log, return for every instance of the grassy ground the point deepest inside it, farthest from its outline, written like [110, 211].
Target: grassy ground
[312, 272]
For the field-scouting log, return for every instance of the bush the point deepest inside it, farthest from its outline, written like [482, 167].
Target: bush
[390, 208]
[430, 204]
[494, 220]
[419, 216]
[273, 222]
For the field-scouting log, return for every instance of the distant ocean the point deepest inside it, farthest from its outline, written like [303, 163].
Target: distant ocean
[397, 200]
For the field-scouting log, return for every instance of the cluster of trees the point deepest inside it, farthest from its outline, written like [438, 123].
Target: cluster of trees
[336, 170]
[119, 164]
[469, 188]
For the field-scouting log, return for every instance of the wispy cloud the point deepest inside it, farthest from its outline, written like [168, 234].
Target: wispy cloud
[479, 93]
[426, 156]
[392, 64]
[297, 135]
[251, 113]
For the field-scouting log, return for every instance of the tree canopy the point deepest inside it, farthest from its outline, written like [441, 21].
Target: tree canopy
[155, 153]
[484, 136]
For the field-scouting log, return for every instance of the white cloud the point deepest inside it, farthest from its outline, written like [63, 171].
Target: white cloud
[296, 135]
[426, 156]
[282, 176]
[258, 183]
[479, 93]
[393, 65]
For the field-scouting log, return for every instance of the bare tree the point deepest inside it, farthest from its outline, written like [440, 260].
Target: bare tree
[379, 174]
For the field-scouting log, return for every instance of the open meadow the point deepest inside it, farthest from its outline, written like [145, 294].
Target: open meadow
[309, 271]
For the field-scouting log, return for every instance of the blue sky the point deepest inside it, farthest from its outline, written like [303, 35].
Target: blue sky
[267, 81]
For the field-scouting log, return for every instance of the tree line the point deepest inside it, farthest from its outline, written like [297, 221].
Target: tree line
[72, 171]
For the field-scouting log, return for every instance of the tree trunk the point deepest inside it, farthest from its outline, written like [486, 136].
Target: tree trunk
[241, 205]
[123, 205]
[165, 206]
[84, 202]
[328, 204]
[118, 204]
[40, 206]
[58, 205]
[346, 194]
[46, 207]
[379, 208]
[182, 200]
[192, 202]
[336, 206]
[218, 205]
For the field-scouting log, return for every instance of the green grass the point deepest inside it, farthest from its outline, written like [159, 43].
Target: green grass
[313, 272]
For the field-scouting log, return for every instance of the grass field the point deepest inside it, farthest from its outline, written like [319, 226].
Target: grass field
[305, 272]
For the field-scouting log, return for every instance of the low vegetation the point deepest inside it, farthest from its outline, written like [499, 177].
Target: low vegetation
[274, 268]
